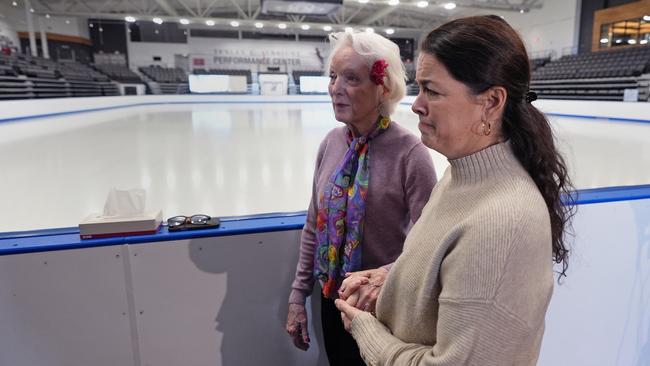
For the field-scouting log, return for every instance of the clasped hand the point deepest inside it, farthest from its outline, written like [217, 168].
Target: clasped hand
[359, 292]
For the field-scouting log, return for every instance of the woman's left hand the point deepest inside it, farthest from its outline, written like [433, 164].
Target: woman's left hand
[348, 312]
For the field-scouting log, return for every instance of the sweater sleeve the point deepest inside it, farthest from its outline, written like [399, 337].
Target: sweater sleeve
[420, 177]
[468, 333]
[303, 282]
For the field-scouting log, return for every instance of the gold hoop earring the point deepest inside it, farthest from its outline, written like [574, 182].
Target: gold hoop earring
[486, 128]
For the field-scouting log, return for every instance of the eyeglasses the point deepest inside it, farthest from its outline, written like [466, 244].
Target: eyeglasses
[182, 220]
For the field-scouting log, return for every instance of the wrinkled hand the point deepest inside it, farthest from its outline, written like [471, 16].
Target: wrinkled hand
[348, 312]
[297, 326]
[367, 284]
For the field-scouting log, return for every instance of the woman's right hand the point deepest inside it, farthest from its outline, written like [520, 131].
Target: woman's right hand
[297, 326]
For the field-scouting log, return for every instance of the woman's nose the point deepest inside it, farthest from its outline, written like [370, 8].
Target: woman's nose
[418, 105]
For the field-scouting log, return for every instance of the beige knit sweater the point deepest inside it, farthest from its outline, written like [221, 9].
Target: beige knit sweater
[475, 277]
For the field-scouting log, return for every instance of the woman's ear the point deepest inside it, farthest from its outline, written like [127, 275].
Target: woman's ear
[494, 101]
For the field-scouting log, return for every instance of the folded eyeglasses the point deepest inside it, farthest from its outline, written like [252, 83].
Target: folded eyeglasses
[194, 220]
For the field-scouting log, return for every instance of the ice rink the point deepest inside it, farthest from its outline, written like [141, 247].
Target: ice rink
[226, 159]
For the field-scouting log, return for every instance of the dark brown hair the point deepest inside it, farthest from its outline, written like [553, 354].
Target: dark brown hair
[482, 52]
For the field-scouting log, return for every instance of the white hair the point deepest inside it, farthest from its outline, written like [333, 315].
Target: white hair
[373, 47]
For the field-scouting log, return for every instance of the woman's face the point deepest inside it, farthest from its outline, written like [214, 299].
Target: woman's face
[355, 98]
[450, 115]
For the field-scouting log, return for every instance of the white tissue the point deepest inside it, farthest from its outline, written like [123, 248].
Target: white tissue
[125, 203]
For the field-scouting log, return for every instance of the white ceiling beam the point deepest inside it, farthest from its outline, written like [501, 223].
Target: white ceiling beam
[166, 7]
[379, 15]
[206, 12]
[187, 7]
[239, 9]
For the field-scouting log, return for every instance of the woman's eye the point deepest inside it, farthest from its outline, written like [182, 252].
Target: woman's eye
[428, 91]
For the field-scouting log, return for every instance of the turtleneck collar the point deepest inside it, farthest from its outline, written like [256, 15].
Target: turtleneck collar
[488, 163]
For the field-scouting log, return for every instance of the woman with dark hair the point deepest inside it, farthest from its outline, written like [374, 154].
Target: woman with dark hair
[475, 278]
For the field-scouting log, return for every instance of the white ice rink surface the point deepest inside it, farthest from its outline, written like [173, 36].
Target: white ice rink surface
[228, 159]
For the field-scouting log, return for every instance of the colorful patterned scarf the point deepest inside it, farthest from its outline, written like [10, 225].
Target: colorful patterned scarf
[341, 212]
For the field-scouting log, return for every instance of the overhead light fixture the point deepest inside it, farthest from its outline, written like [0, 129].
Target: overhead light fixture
[91, 25]
[157, 20]
[646, 18]
[449, 6]
[370, 30]
[305, 27]
[259, 25]
[631, 41]
[67, 21]
[31, 10]
[282, 26]
[129, 19]
[422, 4]
[349, 29]
[47, 16]
[234, 23]
[184, 21]
[210, 23]
[604, 40]
[363, 1]
[327, 28]
[521, 11]
[390, 31]
[619, 41]
[14, 3]
[644, 41]
[393, 2]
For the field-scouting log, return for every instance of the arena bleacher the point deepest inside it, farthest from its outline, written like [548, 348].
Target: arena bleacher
[24, 76]
[602, 75]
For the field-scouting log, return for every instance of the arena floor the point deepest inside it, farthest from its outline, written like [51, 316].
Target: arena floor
[228, 159]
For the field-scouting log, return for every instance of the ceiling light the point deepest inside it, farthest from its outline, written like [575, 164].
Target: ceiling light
[234, 23]
[422, 4]
[363, 1]
[646, 18]
[14, 3]
[631, 41]
[91, 25]
[210, 22]
[282, 26]
[184, 21]
[129, 19]
[604, 40]
[390, 31]
[370, 30]
[305, 27]
[259, 25]
[157, 20]
[644, 41]
[327, 28]
[349, 29]
[47, 16]
[31, 10]
[619, 41]
[449, 6]
[521, 11]
[67, 21]
[393, 2]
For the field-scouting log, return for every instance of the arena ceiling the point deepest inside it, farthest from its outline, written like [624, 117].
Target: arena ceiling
[400, 15]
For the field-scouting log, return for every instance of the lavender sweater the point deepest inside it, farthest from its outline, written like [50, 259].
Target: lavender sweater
[401, 180]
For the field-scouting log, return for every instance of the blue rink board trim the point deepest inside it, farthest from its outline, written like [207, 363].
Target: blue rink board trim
[68, 238]
[45, 115]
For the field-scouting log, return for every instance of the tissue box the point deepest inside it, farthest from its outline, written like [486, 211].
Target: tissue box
[98, 226]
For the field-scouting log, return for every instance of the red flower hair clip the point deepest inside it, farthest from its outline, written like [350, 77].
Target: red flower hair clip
[378, 72]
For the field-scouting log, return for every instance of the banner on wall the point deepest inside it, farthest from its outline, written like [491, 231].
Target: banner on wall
[211, 53]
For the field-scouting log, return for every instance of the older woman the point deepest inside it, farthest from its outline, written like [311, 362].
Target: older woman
[371, 181]
[476, 275]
